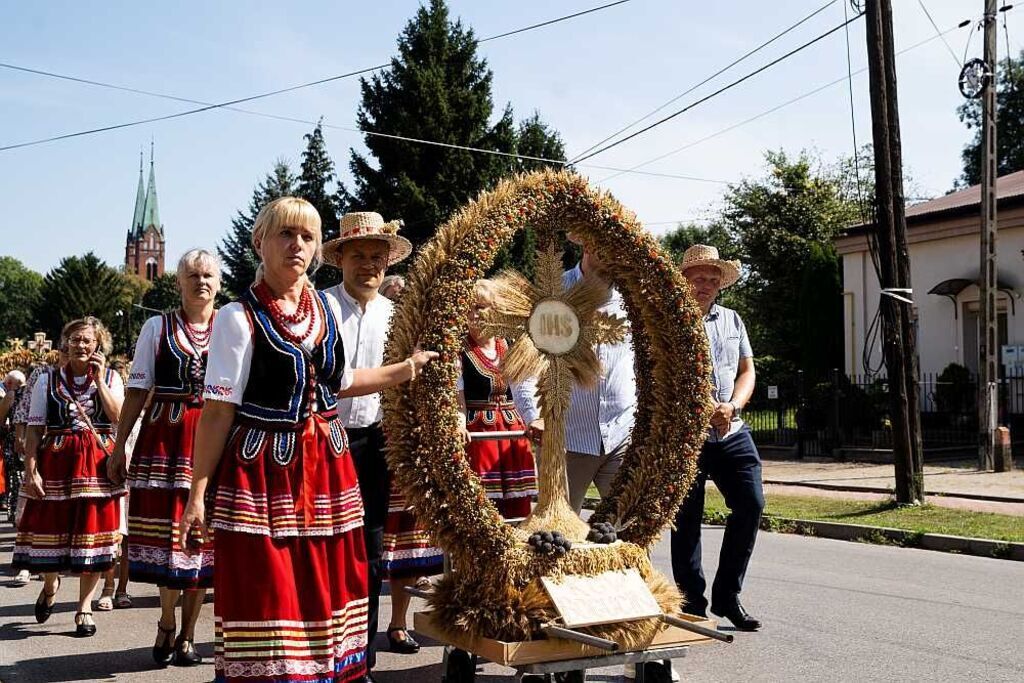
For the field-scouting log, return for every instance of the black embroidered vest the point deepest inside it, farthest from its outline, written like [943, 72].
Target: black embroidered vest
[58, 406]
[179, 371]
[481, 378]
[284, 380]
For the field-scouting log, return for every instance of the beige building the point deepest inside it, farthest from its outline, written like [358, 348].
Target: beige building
[943, 238]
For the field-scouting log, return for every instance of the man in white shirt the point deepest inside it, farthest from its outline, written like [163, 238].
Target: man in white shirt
[365, 249]
[600, 420]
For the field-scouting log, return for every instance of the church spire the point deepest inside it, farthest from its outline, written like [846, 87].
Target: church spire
[140, 204]
[152, 211]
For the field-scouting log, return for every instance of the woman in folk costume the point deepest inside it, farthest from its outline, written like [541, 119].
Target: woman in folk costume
[505, 466]
[285, 508]
[170, 363]
[71, 518]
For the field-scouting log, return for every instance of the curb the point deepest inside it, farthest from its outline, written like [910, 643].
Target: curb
[878, 535]
[980, 547]
[875, 489]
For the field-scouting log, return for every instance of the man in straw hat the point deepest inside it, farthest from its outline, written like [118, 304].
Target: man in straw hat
[364, 250]
[729, 455]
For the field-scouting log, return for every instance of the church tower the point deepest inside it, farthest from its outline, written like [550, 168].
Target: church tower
[144, 246]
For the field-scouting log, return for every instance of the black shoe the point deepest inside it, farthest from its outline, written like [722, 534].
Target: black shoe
[44, 608]
[82, 629]
[185, 652]
[408, 646]
[695, 611]
[164, 652]
[735, 613]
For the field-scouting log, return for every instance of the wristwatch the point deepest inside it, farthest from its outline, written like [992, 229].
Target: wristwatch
[736, 410]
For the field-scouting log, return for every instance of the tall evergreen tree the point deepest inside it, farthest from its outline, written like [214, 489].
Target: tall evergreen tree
[236, 254]
[436, 88]
[19, 294]
[80, 286]
[315, 184]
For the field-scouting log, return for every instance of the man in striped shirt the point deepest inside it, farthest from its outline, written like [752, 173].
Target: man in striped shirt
[600, 419]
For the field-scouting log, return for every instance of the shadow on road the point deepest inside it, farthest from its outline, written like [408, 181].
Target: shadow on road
[87, 666]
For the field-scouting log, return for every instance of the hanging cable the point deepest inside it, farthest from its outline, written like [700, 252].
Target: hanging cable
[272, 93]
[768, 112]
[945, 42]
[709, 78]
[718, 92]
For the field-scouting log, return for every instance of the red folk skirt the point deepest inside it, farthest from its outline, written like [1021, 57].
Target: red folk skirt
[505, 467]
[408, 551]
[75, 526]
[291, 581]
[160, 477]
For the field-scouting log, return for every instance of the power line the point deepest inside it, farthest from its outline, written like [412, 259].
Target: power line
[952, 53]
[711, 77]
[242, 100]
[720, 90]
[421, 141]
[766, 112]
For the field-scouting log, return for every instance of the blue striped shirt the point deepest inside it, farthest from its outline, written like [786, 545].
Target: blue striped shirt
[599, 419]
[727, 337]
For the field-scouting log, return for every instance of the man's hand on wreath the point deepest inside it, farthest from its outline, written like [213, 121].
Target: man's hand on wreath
[535, 431]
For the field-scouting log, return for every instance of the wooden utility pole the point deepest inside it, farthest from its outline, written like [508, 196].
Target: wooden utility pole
[899, 342]
[988, 338]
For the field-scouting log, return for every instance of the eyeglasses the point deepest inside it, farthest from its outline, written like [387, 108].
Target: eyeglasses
[85, 341]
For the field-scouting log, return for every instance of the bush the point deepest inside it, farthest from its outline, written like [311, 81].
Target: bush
[954, 389]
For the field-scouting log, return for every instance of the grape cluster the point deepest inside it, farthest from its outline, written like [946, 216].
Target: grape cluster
[602, 532]
[550, 543]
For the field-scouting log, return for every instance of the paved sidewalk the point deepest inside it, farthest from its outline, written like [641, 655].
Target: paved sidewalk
[960, 483]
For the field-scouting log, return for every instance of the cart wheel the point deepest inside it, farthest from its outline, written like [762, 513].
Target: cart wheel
[657, 672]
[459, 667]
[571, 676]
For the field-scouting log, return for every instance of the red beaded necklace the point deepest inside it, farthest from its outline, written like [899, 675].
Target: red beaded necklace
[197, 337]
[283, 321]
[73, 389]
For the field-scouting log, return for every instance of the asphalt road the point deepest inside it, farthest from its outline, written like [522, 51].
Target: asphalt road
[834, 611]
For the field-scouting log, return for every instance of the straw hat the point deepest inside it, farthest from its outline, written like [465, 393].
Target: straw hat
[367, 225]
[706, 255]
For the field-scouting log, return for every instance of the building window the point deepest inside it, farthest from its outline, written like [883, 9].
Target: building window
[151, 269]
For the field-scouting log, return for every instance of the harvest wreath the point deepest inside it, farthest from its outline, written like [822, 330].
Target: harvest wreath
[494, 589]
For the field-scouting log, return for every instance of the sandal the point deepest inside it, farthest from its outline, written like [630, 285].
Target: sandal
[106, 601]
[163, 651]
[83, 629]
[122, 600]
[405, 646]
[44, 608]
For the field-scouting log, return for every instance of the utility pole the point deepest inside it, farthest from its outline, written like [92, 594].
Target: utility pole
[988, 338]
[899, 342]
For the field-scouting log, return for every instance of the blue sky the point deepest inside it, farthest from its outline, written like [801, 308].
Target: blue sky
[587, 77]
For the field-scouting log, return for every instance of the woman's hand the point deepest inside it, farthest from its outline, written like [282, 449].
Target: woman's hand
[193, 521]
[97, 364]
[117, 471]
[421, 358]
[33, 486]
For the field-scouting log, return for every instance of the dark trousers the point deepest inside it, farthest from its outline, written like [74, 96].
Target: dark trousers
[367, 447]
[735, 467]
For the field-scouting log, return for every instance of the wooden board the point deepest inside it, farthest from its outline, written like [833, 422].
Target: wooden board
[519, 653]
[607, 598]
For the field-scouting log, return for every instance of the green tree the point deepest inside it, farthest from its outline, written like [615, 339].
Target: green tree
[821, 312]
[163, 295]
[437, 88]
[19, 294]
[778, 220]
[1009, 125]
[239, 261]
[85, 285]
[315, 184]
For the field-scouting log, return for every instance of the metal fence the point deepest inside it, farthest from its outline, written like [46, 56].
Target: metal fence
[819, 415]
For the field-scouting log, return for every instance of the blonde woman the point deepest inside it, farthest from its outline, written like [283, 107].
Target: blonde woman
[169, 366]
[72, 516]
[291, 582]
